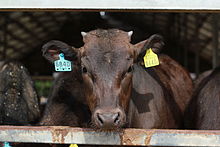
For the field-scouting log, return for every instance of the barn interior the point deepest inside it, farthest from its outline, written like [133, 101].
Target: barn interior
[190, 38]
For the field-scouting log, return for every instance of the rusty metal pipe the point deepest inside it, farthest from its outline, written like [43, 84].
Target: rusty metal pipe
[136, 137]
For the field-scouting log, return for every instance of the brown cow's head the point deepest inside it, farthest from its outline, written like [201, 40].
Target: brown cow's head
[106, 61]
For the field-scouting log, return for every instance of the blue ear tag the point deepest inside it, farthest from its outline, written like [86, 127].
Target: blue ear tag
[6, 144]
[62, 64]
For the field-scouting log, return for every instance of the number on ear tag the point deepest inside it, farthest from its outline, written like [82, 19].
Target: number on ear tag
[62, 64]
[73, 145]
[150, 59]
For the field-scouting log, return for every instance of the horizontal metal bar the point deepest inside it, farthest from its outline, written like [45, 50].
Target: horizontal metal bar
[139, 137]
[113, 4]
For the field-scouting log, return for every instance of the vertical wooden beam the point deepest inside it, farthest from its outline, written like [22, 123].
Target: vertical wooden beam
[201, 20]
[178, 30]
[152, 24]
[185, 37]
[5, 41]
[215, 36]
[197, 61]
[179, 27]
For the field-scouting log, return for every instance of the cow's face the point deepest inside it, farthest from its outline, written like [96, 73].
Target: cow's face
[106, 60]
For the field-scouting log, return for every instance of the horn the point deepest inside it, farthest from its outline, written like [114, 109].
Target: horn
[130, 33]
[83, 34]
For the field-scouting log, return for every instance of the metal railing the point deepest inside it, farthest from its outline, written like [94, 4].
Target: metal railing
[134, 137]
[164, 5]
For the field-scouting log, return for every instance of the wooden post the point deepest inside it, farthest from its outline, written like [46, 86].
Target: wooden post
[5, 30]
[215, 36]
[197, 61]
[185, 36]
[197, 48]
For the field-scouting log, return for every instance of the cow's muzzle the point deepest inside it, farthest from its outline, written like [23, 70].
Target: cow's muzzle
[108, 119]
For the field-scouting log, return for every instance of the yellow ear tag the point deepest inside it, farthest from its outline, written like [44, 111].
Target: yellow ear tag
[151, 59]
[73, 145]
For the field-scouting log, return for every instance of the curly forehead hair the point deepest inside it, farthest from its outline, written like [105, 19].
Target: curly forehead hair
[109, 34]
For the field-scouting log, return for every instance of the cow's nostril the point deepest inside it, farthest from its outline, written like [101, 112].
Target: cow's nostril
[108, 119]
[116, 121]
[100, 119]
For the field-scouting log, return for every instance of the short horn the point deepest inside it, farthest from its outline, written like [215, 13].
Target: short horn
[83, 34]
[130, 33]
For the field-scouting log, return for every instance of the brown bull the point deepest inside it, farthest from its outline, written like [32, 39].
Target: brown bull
[108, 88]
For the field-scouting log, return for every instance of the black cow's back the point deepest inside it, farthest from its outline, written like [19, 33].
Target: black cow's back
[203, 112]
[19, 103]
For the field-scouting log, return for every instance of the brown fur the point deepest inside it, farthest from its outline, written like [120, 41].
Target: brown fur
[176, 79]
[107, 78]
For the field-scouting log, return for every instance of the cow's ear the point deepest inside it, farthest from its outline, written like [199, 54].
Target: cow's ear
[155, 42]
[53, 48]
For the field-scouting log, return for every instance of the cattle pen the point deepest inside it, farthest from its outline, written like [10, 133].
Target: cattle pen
[200, 52]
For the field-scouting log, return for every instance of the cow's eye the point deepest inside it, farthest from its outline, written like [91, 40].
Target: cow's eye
[84, 70]
[124, 74]
[130, 69]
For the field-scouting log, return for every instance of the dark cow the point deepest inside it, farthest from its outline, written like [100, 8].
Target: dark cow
[202, 76]
[108, 86]
[19, 104]
[203, 110]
